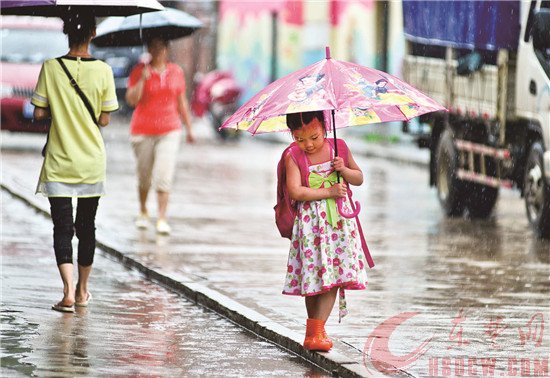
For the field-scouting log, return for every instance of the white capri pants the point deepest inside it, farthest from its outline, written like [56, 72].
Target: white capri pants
[156, 157]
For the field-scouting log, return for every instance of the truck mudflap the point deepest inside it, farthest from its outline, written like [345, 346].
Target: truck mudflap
[468, 150]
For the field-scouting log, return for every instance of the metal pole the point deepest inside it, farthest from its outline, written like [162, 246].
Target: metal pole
[335, 141]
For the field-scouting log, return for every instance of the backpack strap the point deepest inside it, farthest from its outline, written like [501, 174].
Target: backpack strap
[364, 245]
[343, 152]
[300, 159]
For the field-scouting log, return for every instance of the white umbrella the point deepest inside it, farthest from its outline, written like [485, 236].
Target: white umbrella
[132, 31]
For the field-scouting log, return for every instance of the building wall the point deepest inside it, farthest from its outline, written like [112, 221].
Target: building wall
[396, 38]
[356, 32]
[244, 42]
[352, 28]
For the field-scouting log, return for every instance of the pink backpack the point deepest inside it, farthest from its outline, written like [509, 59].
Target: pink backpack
[285, 209]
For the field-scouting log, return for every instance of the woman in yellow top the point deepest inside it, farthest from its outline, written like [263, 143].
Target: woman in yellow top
[74, 162]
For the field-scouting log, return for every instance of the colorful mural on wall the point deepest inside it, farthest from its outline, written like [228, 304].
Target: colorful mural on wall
[303, 28]
[244, 43]
[356, 32]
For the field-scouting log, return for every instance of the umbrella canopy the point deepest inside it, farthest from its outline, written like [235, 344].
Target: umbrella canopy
[59, 8]
[132, 31]
[355, 94]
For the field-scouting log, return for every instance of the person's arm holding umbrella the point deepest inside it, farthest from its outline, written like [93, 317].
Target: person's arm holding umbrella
[352, 174]
[134, 93]
[298, 192]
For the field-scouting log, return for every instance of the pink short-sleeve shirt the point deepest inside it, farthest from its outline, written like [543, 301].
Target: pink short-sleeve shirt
[157, 111]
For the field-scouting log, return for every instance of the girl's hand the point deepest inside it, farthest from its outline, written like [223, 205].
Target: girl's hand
[190, 138]
[338, 164]
[339, 190]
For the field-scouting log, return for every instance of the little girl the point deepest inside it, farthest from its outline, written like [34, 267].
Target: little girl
[325, 253]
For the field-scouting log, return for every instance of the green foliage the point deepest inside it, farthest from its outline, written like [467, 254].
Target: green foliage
[380, 138]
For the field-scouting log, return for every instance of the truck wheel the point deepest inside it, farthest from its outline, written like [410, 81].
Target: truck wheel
[537, 192]
[450, 189]
[481, 200]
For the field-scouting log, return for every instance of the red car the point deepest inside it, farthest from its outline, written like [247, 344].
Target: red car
[26, 43]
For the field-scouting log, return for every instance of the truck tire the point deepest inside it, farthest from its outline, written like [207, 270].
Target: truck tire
[481, 200]
[537, 192]
[450, 189]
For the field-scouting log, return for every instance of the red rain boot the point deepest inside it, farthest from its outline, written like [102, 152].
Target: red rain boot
[315, 340]
[325, 336]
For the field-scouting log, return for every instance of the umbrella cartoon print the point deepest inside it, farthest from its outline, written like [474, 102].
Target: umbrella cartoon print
[355, 95]
[352, 94]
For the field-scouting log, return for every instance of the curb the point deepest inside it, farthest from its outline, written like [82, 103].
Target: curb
[333, 362]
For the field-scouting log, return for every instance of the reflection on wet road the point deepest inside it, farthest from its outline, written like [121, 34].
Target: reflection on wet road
[476, 286]
[132, 327]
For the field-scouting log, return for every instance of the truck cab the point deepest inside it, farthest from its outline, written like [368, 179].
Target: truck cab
[532, 93]
[533, 89]
[490, 67]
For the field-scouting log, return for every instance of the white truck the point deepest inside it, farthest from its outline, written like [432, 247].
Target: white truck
[488, 63]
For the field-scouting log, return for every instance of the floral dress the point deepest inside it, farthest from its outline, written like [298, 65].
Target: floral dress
[325, 249]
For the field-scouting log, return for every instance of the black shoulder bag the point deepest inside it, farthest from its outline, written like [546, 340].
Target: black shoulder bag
[80, 93]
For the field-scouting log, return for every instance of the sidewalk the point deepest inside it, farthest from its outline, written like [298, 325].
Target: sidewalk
[230, 259]
[131, 328]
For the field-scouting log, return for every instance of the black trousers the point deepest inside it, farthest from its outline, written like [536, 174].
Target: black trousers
[64, 229]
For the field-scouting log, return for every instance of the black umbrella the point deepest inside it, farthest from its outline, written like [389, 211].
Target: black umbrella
[134, 30]
[60, 8]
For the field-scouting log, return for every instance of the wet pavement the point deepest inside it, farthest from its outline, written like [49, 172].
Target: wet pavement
[132, 327]
[475, 291]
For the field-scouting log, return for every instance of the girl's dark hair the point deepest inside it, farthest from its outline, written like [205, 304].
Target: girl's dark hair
[295, 121]
[79, 27]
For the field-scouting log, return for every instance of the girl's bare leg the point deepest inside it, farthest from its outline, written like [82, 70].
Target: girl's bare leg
[311, 306]
[320, 306]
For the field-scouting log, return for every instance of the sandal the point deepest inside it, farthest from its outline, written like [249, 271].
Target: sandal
[63, 308]
[84, 303]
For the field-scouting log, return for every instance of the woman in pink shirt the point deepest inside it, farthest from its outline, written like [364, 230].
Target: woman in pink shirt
[157, 91]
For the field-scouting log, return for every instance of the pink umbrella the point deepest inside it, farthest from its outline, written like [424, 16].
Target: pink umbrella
[355, 95]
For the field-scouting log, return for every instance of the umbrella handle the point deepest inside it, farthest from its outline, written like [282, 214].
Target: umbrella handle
[353, 214]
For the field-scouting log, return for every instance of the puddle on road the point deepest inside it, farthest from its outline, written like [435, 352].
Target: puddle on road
[132, 327]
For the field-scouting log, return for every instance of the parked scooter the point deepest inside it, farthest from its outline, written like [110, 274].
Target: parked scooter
[216, 96]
